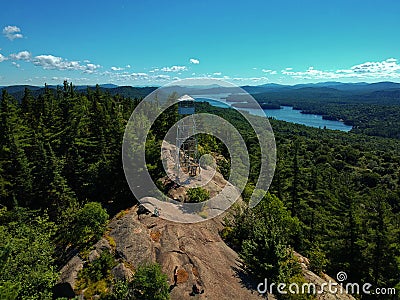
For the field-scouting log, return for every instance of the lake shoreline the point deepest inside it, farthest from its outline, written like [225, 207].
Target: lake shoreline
[283, 113]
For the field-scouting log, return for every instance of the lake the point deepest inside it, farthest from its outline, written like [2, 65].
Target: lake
[286, 113]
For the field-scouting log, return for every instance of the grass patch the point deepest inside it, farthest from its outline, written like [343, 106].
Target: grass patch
[111, 241]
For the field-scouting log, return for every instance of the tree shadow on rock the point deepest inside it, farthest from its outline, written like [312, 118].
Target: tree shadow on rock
[246, 279]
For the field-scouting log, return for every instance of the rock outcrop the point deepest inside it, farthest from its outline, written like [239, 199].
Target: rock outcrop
[197, 250]
[189, 253]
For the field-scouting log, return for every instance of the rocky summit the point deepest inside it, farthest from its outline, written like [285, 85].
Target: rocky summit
[188, 253]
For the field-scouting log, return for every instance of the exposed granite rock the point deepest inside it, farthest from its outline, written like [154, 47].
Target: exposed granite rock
[93, 255]
[319, 280]
[188, 253]
[69, 273]
[197, 250]
[121, 272]
[102, 245]
[132, 239]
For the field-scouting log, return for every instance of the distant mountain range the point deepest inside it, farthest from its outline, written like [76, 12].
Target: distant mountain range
[361, 90]
[17, 91]
[330, 84]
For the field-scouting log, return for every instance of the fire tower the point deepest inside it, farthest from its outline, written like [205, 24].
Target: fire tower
[186, 142]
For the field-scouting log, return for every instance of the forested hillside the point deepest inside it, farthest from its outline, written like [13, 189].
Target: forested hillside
[344, 189]
[335, 196]
[60, 162]
[372, 109]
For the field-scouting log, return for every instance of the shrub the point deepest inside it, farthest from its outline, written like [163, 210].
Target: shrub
[99, 268]
[89, 223]
[95, 277]
[262, 236]
[149, 283]
[120, 290]
[318, 260]
[196, 195]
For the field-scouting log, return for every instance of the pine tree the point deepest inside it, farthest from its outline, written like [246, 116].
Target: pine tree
[296, 179]
[51, 188]
[15, 182]
[381, 250]
[27, 103]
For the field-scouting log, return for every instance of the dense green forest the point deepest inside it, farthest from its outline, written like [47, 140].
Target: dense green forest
[58, 153]
[335, 196]
[343, 193]
[372, 112]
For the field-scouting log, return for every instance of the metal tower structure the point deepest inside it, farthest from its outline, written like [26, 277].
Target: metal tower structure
[186, 142]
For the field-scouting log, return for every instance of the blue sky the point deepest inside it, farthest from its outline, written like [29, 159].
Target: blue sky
[154, 42]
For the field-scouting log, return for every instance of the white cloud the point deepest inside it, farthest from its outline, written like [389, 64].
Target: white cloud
[272, 72]
[162, 77]
[15, 64]
[137, 75]
[173, 69]
[194, 61]
[2, 57]
[258, 79]
[23, 55]
[250, 80]
[117, 68]
[128, 66]
[50, 62]
[55, 78]
[217, 73]
[311, 73]
[90, 68]
[388, 69]
[12, 32]
[125, 76]
[54, 62]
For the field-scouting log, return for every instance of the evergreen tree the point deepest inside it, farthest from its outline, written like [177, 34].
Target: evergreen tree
[381, 250]
[15, 180]
[296, 179]
[149, 283]
[26, 255]
[265, 235]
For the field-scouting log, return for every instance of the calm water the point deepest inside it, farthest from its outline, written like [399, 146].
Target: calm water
[286, 113]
